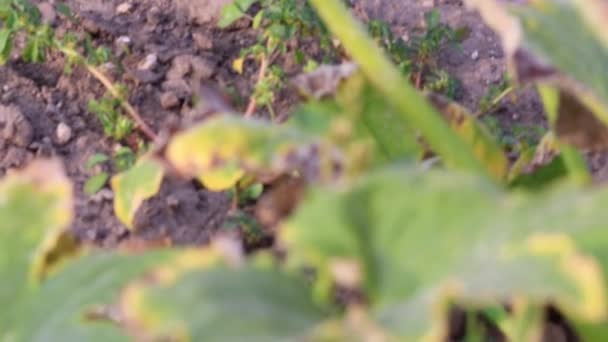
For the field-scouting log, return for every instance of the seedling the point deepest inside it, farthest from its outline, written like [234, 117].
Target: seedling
[21, 17]
[279, 23]
[99, 180]
[518, 138]
[115, 125]
[495, 94]
[124, 158]
[416, 58]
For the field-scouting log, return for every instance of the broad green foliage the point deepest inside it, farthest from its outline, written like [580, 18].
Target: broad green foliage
[76, 302]
[558, 31]
[33, 204]
[224, 304]
[421, 241]
[404, 244]
[64, 307]
[227, 146]
[134, 186]
[410, 105]
[560, 44]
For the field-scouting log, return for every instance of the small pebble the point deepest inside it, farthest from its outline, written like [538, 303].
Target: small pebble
[149, 62]
[63, 133]
[123, 43]
[475, 55]
[123, 8]
[172, 201]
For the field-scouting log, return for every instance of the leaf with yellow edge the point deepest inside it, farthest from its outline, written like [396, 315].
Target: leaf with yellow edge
[34, 202]
[220, 150]
[219, 303]
[133, 187]
[484, 145]
[487, 246]
[223, 178]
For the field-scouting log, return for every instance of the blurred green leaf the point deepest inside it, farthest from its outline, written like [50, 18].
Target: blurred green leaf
[96, 159]
[225, 304]
[234, 11]
[6, 45]
[34, 203]
[96, 183]
[423, 240]
[131, 188]
[63, 307]
[220, 151]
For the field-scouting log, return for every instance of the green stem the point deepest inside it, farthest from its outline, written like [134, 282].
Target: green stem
[410, 104]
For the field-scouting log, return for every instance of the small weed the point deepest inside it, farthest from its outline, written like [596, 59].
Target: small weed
[123, 159]
[21, 17]
[518, 138]
[282, 25]
[416, 58]
[114, 123]
[493, 96]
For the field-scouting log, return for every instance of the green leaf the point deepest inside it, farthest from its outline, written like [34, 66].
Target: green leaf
[220, 151]
[485, 147]
[411, 106]
[234, 11]
[95, 183]
[225, 304]
[58, 310]
[422, 240]
[64, 10]
[34, 203]
[133, 187]
[37, 44]
[6, 45]
[566, 35]
[394, 137]
[96, 159]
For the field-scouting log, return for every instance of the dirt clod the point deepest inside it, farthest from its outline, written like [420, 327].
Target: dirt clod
[168, 100]
[14, 127]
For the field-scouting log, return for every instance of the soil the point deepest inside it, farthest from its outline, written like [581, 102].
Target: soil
[174, 47]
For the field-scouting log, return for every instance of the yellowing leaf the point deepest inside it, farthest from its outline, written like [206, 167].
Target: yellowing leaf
[484, 146]
[237, 65]
[222, 149]
[34, 203]
[222, 179]
[134, 186]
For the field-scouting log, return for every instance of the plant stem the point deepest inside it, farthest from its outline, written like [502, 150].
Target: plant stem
[253, 103]
[411, 106]
[141, 124]
[111, 88]
[495, 101]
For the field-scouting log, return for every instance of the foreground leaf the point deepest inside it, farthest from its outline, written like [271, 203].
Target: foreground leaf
[410, 105]
[424, 240]
[219, 151]
[58, 310]
[561, 44]
[33, 203]
[217, 303]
